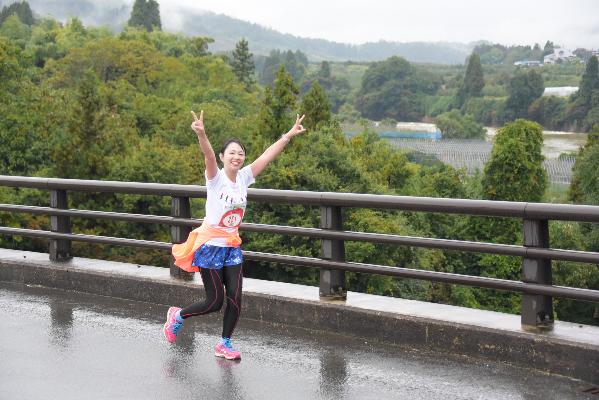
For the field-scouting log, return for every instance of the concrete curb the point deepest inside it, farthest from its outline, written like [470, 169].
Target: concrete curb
[570, 350]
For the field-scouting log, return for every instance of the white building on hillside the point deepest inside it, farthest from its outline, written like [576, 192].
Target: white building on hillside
[558, 54]
[562, 91]
[528, 63]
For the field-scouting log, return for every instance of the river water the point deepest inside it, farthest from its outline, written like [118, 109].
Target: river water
[555, 142]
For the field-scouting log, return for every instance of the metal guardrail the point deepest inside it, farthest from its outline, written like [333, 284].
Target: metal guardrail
[536, 287]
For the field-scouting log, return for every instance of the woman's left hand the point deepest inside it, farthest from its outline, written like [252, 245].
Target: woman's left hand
[297, 128]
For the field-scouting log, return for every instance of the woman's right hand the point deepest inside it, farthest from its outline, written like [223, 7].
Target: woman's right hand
[297, 128]
[198, 124]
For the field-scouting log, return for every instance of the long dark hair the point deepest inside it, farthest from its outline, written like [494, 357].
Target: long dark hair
[228, 142]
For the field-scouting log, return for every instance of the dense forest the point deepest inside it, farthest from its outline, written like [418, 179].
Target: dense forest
[82, 102]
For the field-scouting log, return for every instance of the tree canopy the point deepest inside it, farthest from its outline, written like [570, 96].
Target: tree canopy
[455, 125]
[524, 88]
[473, 82]
[21, 10]
[145, 14]
[394, 88]
[243, 63]
[514, 171]
[583, 110]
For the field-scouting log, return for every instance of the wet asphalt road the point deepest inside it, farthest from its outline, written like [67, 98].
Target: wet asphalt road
[65, 345]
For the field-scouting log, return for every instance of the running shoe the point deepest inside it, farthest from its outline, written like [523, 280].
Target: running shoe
[171, 327]
[225, 349]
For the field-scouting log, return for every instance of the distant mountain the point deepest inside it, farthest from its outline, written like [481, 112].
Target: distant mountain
[227, 31]
[111, 13]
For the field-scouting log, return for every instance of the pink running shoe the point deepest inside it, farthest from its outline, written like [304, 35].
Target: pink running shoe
[225, 349]
[171, 327]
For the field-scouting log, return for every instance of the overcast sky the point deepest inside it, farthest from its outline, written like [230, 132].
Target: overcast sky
[570, 23]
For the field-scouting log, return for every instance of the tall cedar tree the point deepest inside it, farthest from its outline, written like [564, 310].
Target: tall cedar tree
[473, 82]
[586, 99]
[145, 14]
[243, 64]
[21, 10]
[277, 107]
[585, 185]
[79, 154]
[589, 81]
[316, 107]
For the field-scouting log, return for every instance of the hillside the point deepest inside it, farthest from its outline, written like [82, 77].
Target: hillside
[227, 31]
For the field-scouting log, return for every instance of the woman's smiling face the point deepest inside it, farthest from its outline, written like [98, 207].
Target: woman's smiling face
[233, 157]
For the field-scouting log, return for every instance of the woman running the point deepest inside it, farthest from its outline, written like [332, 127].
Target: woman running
[214, 249]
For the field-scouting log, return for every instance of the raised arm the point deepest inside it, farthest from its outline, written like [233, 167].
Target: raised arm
[209, 157]
[277, 147]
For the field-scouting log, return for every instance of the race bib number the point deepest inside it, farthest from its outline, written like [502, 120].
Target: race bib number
[232, 219]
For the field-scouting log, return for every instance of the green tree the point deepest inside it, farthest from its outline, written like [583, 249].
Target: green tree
[337, 89]
[549, 111]
[145, 13]
[295, 64]
[455, 125]
[589, 81]
[548, 48]
[243, 64]
[43, 43]
[277, 108]
[394, 88]
[583, 111]
[325, 70]
[491, 54]
[524, 88]
[16, 31]
[21, 10]
[270, 66]
[473, 82]
[315, 105]
[11, 68]
[584, 188]
[198, 46]
[515, 171]
[73, 35]
[79, 153]
[16, 141]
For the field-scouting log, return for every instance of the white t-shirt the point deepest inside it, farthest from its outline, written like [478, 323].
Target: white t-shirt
[226, 201]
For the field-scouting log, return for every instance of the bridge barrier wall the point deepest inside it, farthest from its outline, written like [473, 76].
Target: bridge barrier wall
[569, 349]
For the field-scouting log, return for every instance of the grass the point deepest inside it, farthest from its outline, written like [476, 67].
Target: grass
[556, 193]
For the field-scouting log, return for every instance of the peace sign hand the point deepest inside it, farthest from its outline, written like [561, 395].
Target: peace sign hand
[297, 128]
[198, 124]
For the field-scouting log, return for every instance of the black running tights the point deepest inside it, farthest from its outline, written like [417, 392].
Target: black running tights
[231, 278]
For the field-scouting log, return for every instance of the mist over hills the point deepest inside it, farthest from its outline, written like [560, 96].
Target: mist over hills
[111, 13]
[227, 31]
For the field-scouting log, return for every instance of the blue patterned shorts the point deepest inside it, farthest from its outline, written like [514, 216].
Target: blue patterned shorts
[215, 257]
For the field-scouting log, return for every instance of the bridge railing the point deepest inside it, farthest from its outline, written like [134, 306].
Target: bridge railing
[536, 286]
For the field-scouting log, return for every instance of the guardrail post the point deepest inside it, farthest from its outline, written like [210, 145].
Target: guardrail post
[332, 281]
[537, 310]
[180, 208]
[59, 249]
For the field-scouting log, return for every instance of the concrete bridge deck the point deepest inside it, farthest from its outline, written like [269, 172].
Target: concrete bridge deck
[59, 344]
[92, 329]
